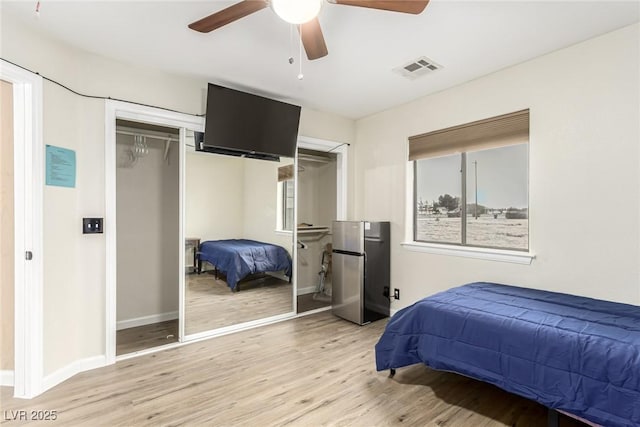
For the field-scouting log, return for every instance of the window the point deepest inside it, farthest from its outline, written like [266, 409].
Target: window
[286, 200]
[287, 205]
[471, 184]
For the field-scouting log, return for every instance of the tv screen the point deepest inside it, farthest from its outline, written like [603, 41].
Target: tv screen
[239, 123]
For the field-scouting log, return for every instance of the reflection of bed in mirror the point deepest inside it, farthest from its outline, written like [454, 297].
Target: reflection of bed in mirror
[253, 201]
[238, 258]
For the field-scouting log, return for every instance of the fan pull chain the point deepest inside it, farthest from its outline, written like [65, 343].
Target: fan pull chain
[291, 44]
[291, 60]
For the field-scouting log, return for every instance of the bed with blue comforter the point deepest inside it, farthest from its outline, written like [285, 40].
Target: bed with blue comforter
[574, 354]
[237, 258]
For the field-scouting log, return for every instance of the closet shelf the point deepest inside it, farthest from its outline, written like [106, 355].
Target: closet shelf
[313, 230]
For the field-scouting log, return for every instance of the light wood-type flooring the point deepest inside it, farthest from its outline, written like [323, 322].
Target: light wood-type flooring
[316, 370]
[207, 301]
[210, 304]
[144, 337]
[139, 338]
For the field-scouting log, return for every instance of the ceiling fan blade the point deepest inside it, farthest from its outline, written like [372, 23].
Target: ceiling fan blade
[312, 39]
[228, 15]
[405, 6]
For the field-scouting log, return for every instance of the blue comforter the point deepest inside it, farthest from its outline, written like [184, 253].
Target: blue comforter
[571, 353]
[237, 258]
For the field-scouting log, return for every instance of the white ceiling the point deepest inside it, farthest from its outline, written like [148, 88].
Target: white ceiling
[469, 38]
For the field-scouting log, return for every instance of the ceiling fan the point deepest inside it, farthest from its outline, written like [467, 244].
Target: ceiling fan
[303, 13]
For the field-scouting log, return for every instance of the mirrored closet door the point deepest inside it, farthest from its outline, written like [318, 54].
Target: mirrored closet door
[238, 222]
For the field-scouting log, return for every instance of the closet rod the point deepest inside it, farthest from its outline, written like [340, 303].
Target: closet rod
[147, 135]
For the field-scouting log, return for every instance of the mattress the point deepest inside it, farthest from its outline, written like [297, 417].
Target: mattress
[237, 258]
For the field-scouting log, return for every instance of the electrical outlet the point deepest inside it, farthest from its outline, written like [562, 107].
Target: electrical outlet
[396, 293]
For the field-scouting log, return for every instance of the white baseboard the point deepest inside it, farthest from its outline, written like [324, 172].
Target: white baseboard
[6, 378]
[146, 320]
[317, 310]
[72, 369]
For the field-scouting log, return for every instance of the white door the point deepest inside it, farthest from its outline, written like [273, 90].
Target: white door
[28, 180]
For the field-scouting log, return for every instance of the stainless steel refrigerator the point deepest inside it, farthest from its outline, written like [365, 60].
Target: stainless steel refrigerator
[361, 270]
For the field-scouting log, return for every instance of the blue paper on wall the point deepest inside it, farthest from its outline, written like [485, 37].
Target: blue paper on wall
[61, 167]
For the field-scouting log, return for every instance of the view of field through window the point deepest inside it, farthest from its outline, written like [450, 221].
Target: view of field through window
[497, 208]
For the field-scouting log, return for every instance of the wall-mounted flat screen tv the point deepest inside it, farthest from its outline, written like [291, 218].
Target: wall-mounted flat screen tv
[243, 124]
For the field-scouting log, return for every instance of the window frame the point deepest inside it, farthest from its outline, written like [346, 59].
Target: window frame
[285, 186]
[517, 256]
[280, 210]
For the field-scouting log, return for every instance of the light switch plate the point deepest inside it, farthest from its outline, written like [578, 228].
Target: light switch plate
[91, 225]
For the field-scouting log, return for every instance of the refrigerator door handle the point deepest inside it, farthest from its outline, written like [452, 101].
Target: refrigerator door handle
[374, 239]
[339, 251]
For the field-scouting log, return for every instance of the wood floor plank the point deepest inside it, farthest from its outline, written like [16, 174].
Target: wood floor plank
[139, 338]
[316, 370]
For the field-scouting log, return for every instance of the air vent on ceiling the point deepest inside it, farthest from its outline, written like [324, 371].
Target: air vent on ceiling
[418, 67]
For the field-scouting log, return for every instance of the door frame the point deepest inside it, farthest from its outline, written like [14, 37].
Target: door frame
[139, 113]
[28, 226]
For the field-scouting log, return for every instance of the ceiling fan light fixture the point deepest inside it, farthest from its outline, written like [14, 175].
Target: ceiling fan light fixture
[297, 11]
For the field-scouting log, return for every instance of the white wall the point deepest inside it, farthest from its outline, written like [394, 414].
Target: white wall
[148, 231]
[74, 265]
[214, 199]
[584, 153]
